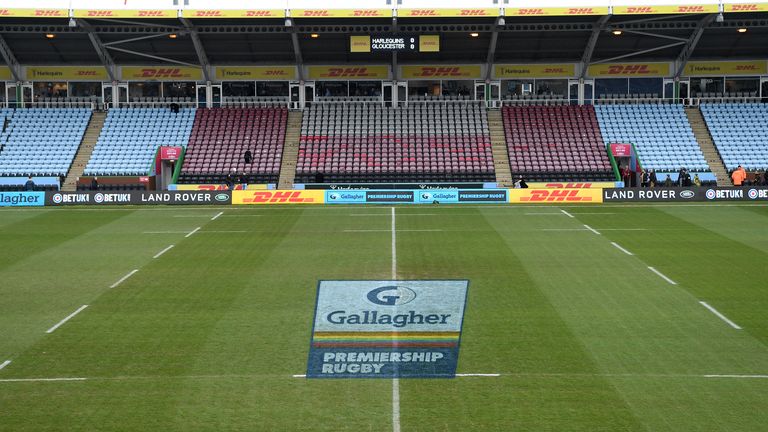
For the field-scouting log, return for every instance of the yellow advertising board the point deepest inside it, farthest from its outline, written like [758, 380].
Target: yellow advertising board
[571, 185]
[5, 74]
[218, 187]
[67, 73]
[255, 73]
[233, 13]
[33, 13]
[341, 13]
[126, 13]
[161, 73]
[440, 72]
[360, 44]
[437, 12]
[557, 11]
[745, 7]
[666, 9]
[348, 73]
[616, 70]
[556, 196]
[266, 197]
[564, 70]
[726, 68]
[429, 43]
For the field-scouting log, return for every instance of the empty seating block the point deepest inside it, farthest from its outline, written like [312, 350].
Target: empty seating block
[220, 138]
[555, 143]
[739, 132]
[130, 138]
[371, 143]
[41, 141]
[661, 134]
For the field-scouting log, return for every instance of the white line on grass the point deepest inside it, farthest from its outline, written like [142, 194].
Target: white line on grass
[164, 232]
[581, 213]
[566, 213]
[41, 379]
[405, 230]
[737, 376]
[300, 376]
[621, 248]
[163, 251]
[478, 375]
[719, 315]
[60, 323]
[543, 214]
[192, 232]
[4, 364]
[563, 229]
[661, 275]
[131, 273]
[395, 381]
[217, 216]
[624, 229]
[591, 229]
[191, 216]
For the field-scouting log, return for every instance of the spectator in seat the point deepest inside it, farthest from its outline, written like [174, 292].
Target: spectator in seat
[738, 176]
[95, 184]
[248, 157]
[29, 186]
[243, 180]
[520, 183]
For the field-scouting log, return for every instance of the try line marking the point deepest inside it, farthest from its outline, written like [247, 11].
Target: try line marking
[60, 323]
[662, 275]
[4, 364]
[163, 251]
[217, 216]
[192, 232]
[131, 273]
[566, 213]
[719, 315]
[621, 248]
[591, 229]
[41, 379]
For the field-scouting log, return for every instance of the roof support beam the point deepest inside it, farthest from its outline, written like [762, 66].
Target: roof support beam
[101, 50]
[636, 53]
[492, 49]
[199, 49]
[297, 55]
[586, 58]
[690, 46]
[10, 59]
[154, 57]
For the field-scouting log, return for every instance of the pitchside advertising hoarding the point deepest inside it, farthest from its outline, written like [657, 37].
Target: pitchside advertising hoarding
[686, 194]
[446, 196]
[387, 329]
[22, 199]
[138, 198]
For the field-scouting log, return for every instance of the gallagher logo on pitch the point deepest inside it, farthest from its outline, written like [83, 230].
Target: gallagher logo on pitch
[391, 295]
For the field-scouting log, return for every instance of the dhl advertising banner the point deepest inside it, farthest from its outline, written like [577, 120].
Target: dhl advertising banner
[467, 12]
[278, 197]
[573, 185]
[666, 9]
[441, 72]
[5, 73]
[34, 13]
[125, 13]
[216, 187]
[348, 73]
[255, 73]
[556, 196]
[628, 70]
[341, 13]
[534, 70]
[161, 73]
[233, 13]
[557, 11]
[67, 73]
[746, 7]
[726, 68]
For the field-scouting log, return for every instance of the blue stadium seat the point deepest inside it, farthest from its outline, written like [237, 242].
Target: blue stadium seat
[740, 133]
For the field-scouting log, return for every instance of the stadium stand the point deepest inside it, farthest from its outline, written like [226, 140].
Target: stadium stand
[40, 141]
[131, 136]
[369, 143]
[221, 136]
[739, 131]
[555, 143]
[660, 132]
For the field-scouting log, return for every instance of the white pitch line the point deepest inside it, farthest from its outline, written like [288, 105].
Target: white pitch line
[624, 229]
[4, 364]
[543, 214]
[164, 232]
[479, 375]
[192, 232]
[618, 246]
[580, 213]
[300, 376]
[737, 376]
[719, 315]
[190, 216]
[563, 229]
[591, 229]
[661, 275]
[566, 213]
[60, 323]
[217, 216]
[131, 273]
[163, 251]
[405, 230]
[395, 381]
[41, 379]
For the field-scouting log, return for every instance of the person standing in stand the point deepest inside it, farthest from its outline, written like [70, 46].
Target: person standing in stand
[738, 176]
[654, 180]
[95, 184]
[645, 180]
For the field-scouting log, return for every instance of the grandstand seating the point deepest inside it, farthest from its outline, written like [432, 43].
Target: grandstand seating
[370, 143]
[556, 143]
[660, 132]
[220, 138]
[740, 133]
[41, 141]
[130, 138]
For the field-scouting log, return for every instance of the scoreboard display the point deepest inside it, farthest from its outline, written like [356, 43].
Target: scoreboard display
[389, 43]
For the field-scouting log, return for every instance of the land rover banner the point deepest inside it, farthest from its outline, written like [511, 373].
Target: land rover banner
[387, 329]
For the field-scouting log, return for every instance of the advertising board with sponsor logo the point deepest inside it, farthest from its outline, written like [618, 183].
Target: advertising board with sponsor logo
[686, 194]
[266, 197]
[387, 329]
[22, 199]
[436, 196]
[138, 198]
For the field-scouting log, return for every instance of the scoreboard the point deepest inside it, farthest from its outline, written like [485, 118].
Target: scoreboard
[393, 43]
[389, 43]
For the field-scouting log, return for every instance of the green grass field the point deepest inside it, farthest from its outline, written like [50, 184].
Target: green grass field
[208, 336]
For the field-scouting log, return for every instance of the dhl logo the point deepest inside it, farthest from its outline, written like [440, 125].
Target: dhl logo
[746, 67]
[568, 185]
[5, 12]
[629, 70]
[554, 70]
[100, 13]
[366, 13]
[639, 10]
[208, 14]
[423, 12]
[48, 13]
[316, 13]
[150, 13]
[276, 72]
[277, 197]
[86, 73]
[472, 12]
[439, 71]
[347, 72]
[691, 9]
[161, 73]
[529, 11]
[745, 8]
[542, 195]
[581, 11]
[258, 13]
